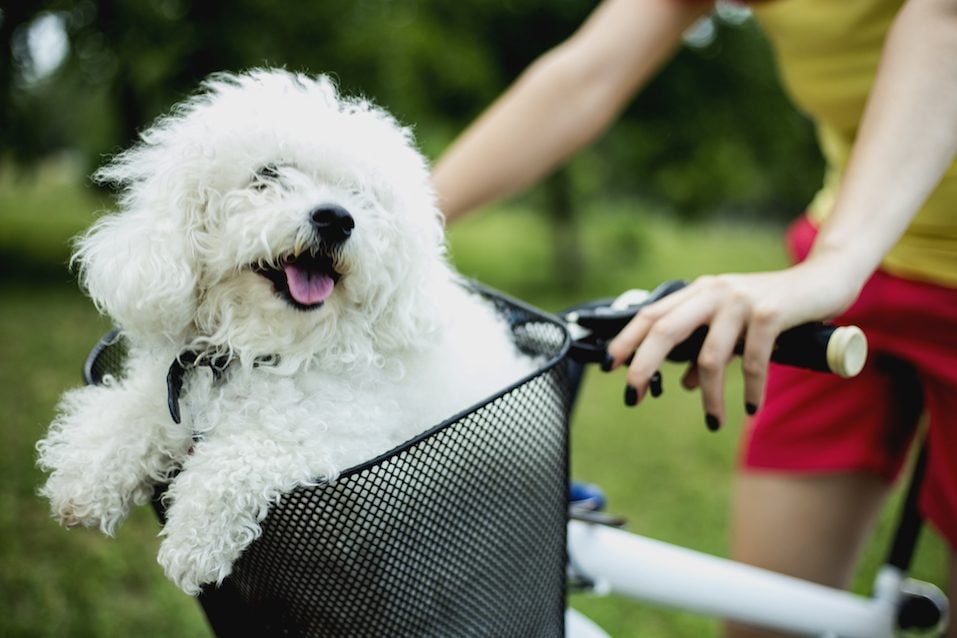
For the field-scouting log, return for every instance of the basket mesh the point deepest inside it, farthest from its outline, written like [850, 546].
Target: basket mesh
[460, 532]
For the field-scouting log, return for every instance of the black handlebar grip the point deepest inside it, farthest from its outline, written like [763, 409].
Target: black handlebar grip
[841, 350]
[815, 346]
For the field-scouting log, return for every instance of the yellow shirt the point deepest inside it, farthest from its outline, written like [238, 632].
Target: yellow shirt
[828, 52]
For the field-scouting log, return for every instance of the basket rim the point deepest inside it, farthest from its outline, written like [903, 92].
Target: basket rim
[111, 338]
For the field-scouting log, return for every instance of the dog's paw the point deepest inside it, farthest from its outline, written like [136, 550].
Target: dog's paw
[190, 565]
[200, 549]
[67, 515]
[76, 501]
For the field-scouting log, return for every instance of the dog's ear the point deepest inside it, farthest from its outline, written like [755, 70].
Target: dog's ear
[136, 266]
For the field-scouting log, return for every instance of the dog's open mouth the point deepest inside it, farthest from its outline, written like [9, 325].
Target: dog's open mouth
[304, 280]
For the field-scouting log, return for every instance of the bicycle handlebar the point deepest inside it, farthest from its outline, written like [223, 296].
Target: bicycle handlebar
[841, 350]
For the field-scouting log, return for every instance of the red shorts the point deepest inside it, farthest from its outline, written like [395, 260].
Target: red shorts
[814, 422]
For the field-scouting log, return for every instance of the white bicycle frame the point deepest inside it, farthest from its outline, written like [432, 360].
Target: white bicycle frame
[659, 573]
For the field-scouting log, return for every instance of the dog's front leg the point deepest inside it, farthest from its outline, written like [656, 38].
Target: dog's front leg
[107, 447]
[217, 502]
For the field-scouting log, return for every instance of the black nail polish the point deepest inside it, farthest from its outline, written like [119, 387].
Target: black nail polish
[631, 395]
[654, 385]
[712, 422]
[750, 408]
[607, 363]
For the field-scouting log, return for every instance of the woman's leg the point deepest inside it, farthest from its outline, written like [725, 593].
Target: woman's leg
[809, 526]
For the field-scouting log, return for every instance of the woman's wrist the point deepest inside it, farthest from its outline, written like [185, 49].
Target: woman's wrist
[835, 276]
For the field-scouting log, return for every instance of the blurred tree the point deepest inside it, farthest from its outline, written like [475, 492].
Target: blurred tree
[713, 132]
[716, 133]
[15, 128]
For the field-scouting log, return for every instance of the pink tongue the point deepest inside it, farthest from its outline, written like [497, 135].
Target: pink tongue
[308, 288]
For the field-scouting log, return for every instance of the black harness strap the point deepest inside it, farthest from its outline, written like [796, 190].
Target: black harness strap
[189, 360]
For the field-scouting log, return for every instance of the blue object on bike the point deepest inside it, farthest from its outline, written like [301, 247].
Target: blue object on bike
[586, 496]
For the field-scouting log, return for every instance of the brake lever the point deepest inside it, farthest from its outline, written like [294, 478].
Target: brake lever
[593, 324]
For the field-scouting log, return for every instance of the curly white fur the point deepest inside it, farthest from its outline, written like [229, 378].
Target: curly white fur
[216, 194]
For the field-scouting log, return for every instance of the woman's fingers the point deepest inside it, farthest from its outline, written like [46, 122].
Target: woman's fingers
[758, 346]
[728, 305]
[689, 380]
[626, 342]
[656, 334]
[716, 351]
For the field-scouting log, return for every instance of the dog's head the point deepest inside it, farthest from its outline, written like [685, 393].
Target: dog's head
[267, 215]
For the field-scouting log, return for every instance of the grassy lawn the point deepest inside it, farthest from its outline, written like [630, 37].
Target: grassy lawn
[39, 213]
[658, 464]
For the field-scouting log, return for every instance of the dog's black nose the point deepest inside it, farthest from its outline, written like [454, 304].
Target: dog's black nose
[334, 223]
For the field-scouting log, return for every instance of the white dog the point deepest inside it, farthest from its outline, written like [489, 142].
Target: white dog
[288, 239]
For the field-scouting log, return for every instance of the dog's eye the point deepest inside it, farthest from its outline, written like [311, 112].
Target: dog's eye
[265, 176]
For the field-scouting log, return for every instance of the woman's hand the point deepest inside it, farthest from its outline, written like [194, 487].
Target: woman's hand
[752, 309]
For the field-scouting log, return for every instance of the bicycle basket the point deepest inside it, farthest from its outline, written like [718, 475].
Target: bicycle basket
[459, 532]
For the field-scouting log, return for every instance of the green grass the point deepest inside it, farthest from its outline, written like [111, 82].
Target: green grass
[39, 213]
[659, 466]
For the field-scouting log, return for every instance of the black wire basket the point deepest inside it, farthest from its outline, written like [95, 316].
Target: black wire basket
[458, 532]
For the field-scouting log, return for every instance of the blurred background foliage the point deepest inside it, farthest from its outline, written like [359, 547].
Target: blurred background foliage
[713, 134]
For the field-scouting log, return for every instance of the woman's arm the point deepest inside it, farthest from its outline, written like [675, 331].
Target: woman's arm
[563, 101]
[906, 141]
